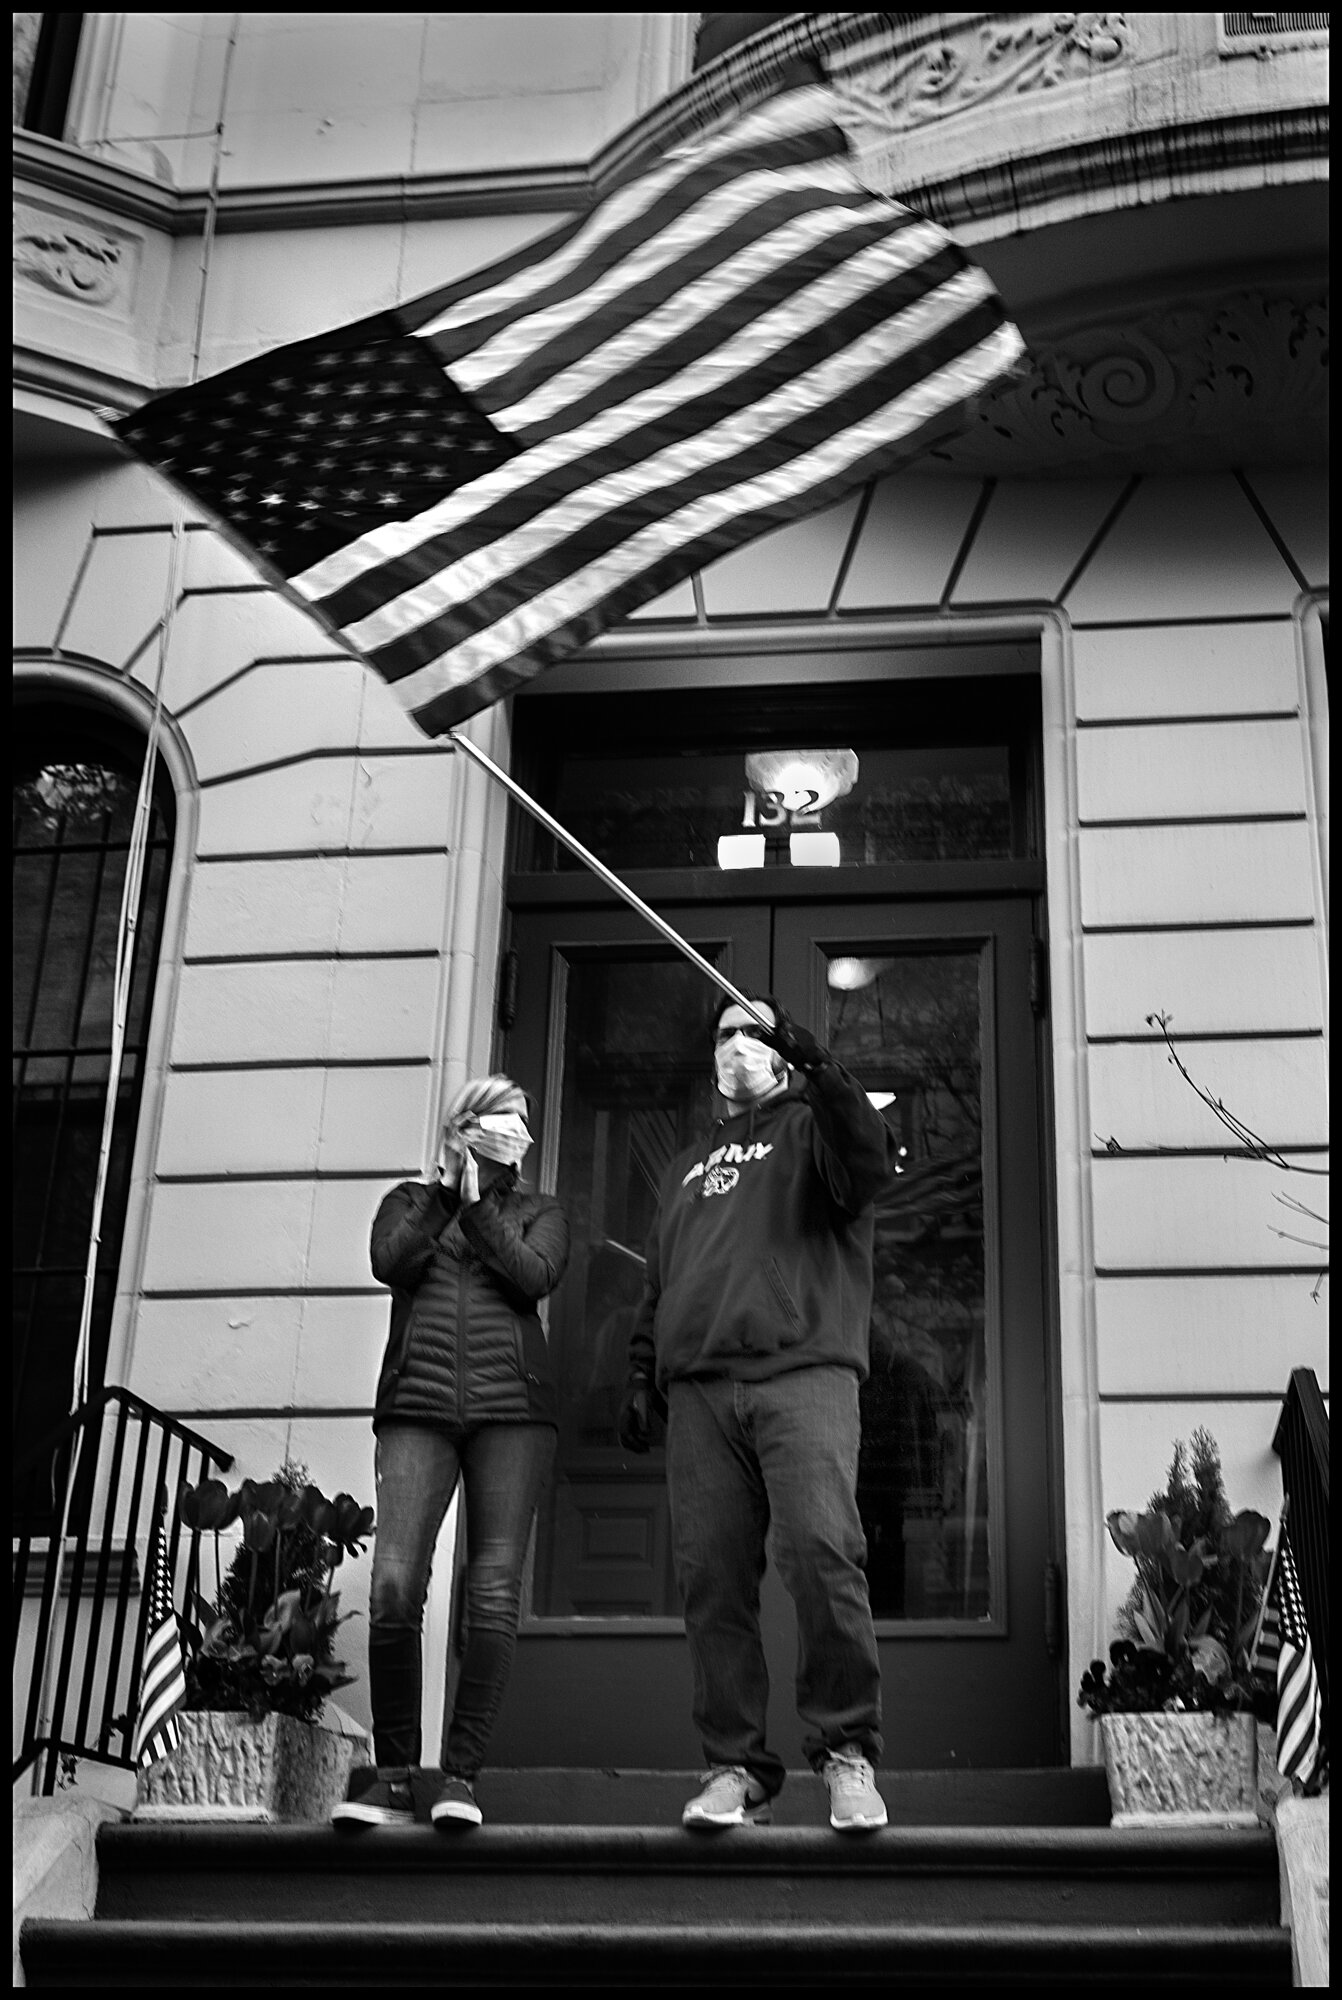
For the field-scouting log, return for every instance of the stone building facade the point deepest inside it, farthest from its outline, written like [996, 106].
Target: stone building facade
[1098, 618]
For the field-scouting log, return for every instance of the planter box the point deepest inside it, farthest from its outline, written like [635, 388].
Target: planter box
[229, 1767]
[1177, 1769]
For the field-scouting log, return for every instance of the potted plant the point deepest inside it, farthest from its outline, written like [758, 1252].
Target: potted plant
[1178, 1701]
[260, 1660]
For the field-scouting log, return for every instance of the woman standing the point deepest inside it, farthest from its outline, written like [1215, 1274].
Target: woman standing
[465, 1391]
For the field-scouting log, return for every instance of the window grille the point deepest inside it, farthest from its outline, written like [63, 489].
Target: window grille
[1249, 34]
[76, 778]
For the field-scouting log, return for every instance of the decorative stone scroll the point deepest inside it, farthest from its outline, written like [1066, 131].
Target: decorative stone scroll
[1002, 56]
[78, 262]
[1201, 386]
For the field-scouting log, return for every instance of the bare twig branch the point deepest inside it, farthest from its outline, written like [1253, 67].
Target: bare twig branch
[1254, 1147]
[1309, 1241]
[1299, 1208]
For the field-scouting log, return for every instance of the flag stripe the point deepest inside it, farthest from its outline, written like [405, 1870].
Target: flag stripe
[806, 290]
[523, 350]
[794, 128]
[587, 524]
[755, 505]
[749, 269]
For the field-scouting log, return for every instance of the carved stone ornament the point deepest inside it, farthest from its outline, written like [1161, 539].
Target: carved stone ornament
[1003, 56]
[77, 262]
[1197, 387]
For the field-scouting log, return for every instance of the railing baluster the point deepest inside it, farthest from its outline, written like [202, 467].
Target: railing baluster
[81, 1471]
[23, 1543]
[68, 1459]
[124, 1582]
[93, 1629]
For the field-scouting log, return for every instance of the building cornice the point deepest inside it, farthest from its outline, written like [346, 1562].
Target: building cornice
[1167, 163]
[61, 380]
[136, 197]
[1007, 175]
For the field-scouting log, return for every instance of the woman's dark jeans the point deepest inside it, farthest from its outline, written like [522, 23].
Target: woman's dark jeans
[742, 1457]
[503, 1467]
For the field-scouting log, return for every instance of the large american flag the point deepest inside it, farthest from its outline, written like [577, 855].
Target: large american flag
[467, 488]
[163, 1674]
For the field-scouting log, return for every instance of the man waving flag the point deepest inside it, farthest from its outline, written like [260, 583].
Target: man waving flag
[467, 488]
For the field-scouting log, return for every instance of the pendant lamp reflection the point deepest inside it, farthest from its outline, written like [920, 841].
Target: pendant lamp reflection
[802, 781]
[850, 975]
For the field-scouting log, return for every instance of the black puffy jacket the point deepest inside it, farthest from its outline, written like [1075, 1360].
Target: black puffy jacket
[466, 1344]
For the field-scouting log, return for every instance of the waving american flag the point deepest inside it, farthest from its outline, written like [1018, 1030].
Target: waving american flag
[467, 488]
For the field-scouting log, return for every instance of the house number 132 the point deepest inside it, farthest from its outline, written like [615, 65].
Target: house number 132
[771, 809]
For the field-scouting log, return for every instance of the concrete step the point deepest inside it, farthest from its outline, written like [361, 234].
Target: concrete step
[587, 1879]
[478, 1957]
[626, 1876]
[560, 1796]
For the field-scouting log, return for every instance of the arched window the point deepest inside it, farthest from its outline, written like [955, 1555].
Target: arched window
[76, 779]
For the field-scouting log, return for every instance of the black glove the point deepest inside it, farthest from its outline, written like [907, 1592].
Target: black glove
[635, 1419]
[795, 1044]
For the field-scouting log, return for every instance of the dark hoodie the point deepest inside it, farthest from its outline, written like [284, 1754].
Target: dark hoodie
[760, 1255]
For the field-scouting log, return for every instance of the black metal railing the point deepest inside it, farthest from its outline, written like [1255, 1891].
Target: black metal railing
[108, 1472]
[1301, 1443]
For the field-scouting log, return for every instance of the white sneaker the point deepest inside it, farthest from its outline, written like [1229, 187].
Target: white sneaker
[855, 1805]
[729, 1798]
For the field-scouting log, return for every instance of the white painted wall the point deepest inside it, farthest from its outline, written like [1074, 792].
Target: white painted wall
[339, 97]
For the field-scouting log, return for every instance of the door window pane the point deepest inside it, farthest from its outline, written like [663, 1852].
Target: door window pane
[910, 1027]
[634, 1086]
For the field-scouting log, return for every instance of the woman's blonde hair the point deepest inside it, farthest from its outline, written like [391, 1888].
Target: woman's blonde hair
[481, 1097]
[485, 1097]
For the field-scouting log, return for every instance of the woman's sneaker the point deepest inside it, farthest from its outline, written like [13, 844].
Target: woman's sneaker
[730, 1798]
[855, 1805]
[386, 1802]
[455, 1804]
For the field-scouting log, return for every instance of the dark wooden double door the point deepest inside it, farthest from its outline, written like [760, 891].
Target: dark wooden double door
[929, 1005]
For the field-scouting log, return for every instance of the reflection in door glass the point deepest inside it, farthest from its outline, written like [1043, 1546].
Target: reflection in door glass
[909, 1027]
[634, 1087]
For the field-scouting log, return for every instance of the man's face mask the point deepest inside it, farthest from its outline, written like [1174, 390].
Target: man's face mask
[746, 1068]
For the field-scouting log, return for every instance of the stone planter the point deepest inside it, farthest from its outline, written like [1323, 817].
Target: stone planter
[227, 1767]
[1181, 1770]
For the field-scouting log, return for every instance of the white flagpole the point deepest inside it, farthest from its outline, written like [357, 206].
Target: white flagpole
[605, 874]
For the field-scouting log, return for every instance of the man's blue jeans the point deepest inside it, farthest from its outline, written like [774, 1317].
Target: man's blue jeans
[741, 1456]
[503, 1467]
